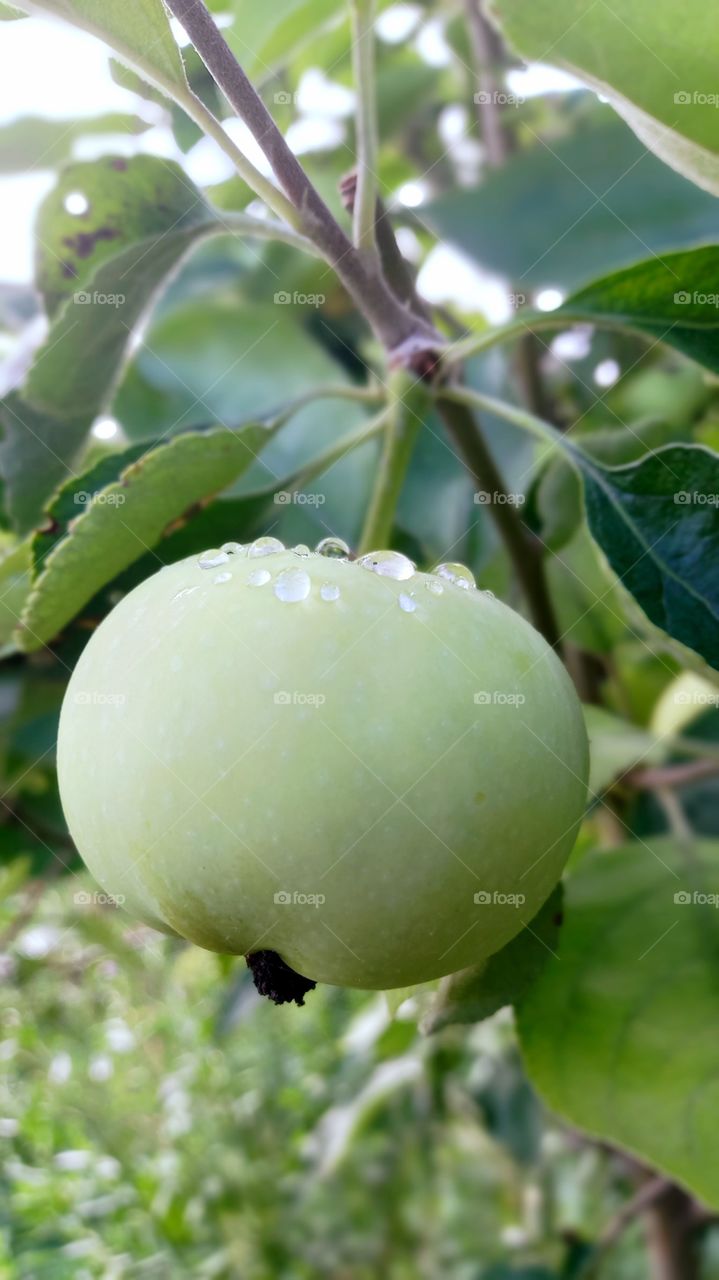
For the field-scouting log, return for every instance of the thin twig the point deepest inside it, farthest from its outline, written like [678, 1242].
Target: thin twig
[672, 775]
[487, 108]
[362, 12]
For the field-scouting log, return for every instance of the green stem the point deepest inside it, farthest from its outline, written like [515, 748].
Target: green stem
[335, 452]
[362, 12]
[362, 395]
[262, 187]
[511, 413]
[243, 224]
[402, 425]
[531, 322]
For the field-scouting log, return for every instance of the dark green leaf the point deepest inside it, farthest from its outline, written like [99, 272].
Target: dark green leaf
[37, 452]
[673, 298]
[657, 522]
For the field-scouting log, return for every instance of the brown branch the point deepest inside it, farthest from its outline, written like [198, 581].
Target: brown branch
[523, 551]
[404, 335]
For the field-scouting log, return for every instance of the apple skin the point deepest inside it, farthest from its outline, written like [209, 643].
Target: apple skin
[222, 750]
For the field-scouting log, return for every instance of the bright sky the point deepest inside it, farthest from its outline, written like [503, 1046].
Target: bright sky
[48, 69]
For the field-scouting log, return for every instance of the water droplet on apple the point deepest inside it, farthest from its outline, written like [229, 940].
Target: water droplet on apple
[211, 559]
[434, 585]
[388, 564]
[406, 603]
[333, 548]
[459, 574]
[265, 547]
[301, 550]
[186, 591]
[330, 591]
[293, 585]
[259, 577]
[233, 548]
[222, 577]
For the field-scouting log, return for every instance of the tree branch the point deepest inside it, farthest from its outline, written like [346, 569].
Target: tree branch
[523, 552]
[403, 334]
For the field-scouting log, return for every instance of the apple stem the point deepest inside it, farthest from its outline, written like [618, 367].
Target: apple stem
[275, 979]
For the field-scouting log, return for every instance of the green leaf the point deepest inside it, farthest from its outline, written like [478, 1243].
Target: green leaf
[37, 452]
[673, 298]
[658, 68]
[473, 994]
[32, 142]
[657, 522]
[563, 212]
[138, 30]
[619, 1032]
[15, 564]
[123, 519]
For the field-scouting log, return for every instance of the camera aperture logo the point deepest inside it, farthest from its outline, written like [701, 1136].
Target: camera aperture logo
[288, 898]
[85, 299]
[495, 898]
[284, 299]
[285, 497]
[693, 898]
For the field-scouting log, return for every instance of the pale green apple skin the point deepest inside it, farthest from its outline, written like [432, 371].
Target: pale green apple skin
[197, 795]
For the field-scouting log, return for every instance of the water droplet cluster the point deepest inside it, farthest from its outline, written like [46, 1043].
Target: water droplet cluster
[295, 584]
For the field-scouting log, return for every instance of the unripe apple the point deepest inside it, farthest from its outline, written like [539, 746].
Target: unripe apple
[376, 773]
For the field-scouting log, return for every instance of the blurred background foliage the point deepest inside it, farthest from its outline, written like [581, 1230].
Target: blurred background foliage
[156, 1119]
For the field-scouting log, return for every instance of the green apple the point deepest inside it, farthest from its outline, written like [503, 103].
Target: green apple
[373, 772]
